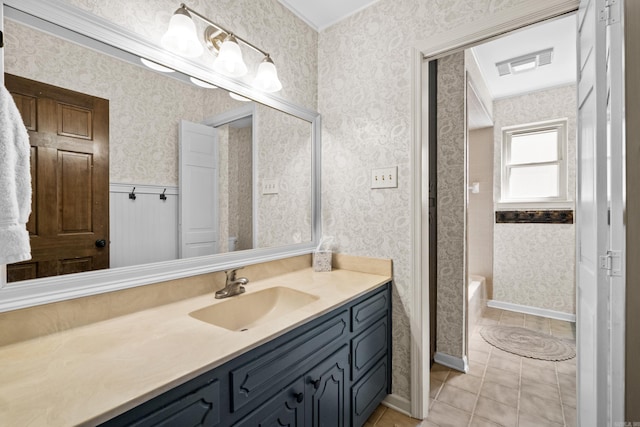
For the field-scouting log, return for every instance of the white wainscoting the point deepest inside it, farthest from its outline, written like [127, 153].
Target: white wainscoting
[143, 230]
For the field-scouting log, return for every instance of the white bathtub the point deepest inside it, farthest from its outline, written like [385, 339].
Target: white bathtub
[477, 300]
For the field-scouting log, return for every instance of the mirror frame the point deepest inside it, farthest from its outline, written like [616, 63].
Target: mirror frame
[49, 16]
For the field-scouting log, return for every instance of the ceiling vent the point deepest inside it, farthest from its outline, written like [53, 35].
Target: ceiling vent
[525, 63]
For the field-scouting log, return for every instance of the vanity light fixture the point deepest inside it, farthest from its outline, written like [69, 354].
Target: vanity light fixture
[181, 38]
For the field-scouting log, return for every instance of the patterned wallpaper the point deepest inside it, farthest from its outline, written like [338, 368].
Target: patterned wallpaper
[364, 96]
[534, 264]
[451, 205]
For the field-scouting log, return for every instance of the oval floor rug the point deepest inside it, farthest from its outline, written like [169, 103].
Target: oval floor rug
[528, 343]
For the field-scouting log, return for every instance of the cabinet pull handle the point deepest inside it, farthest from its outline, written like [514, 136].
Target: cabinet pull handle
[316, 383]
[299, 397]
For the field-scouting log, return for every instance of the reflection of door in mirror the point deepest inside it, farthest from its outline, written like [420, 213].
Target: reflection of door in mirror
[69, 136]
[198, 206]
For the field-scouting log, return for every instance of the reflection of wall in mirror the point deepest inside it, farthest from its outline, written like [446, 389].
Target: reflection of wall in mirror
[284, 152]
[240, 186]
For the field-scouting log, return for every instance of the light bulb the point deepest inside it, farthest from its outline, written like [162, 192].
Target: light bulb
[229, 61]
[181, 35]
[267, 76]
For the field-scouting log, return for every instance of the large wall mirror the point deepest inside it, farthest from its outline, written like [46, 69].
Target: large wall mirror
[143, 173]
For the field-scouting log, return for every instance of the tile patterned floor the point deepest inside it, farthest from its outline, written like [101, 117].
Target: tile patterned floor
[501, 389]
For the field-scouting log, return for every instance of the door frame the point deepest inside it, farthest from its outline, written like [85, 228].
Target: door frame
[437, 46]
[248, 110]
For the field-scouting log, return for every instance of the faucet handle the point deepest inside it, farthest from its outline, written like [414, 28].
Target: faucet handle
[231, 274]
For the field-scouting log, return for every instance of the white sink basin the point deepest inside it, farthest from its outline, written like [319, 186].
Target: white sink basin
[242, 312]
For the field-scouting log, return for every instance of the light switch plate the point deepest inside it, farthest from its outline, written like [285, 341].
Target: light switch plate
[384, 177]
[270, 186]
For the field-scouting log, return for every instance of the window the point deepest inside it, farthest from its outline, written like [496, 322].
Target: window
[534, 167]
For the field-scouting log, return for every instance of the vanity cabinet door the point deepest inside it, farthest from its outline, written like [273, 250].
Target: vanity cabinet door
[286, 409]
[326, 401]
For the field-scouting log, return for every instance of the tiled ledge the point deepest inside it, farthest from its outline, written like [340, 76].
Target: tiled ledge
[535, 217]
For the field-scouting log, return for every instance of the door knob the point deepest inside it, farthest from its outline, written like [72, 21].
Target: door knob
[316, 383]
[101, 243]
[299, 397]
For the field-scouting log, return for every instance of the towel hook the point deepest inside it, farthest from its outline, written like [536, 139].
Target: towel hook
[163, 196]
[132, 195]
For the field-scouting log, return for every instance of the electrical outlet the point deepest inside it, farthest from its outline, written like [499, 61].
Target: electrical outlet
[270, 186]
[384, 177]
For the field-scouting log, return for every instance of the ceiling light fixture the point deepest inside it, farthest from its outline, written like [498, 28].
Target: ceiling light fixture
[181, 38]
[525, 63]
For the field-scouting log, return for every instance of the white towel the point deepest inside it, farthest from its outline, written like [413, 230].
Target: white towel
[15, 183]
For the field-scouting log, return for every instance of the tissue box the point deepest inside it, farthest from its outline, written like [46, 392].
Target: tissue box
[322, 260]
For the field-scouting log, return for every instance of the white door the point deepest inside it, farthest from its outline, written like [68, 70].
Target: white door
[616, 198]
[198, 211]
[591, 218]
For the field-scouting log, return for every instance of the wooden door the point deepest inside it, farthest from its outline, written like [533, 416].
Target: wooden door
[69, 222]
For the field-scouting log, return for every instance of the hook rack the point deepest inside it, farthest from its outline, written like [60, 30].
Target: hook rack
[163, 196]
[132, 195]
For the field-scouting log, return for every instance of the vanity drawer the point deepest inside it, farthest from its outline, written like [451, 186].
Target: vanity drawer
[368, 311]
[272, 370]
[368, 347]
[186, 405]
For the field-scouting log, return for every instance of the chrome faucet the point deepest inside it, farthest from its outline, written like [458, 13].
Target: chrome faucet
[233, 286]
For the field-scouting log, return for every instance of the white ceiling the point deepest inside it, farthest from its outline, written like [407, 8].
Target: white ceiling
[559, 34]
[324, 13]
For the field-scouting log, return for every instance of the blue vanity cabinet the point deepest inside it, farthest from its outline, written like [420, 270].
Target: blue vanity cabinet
[330, 372]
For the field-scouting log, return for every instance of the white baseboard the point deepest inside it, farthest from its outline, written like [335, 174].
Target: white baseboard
[398, 403]
[458, 363]
[551, 314]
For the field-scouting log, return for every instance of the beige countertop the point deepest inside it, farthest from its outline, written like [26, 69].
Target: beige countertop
[89, 374]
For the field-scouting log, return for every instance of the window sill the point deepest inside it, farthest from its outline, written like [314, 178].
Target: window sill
[508, 206]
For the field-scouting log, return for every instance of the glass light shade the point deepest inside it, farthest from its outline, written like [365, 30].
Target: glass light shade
[156, 66]
[181, 36]
[201, 83]
[238, 97]
[267, 77]
[229, 61]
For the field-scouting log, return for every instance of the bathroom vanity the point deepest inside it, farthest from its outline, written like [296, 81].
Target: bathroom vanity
[334, 371]
[298, 347]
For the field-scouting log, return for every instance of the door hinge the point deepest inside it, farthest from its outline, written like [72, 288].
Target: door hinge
[610, 14]
[612, 262]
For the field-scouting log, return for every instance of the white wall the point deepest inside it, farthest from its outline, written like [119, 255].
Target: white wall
[480, 215]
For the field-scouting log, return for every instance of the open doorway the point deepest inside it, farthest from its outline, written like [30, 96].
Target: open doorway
[508, 232]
